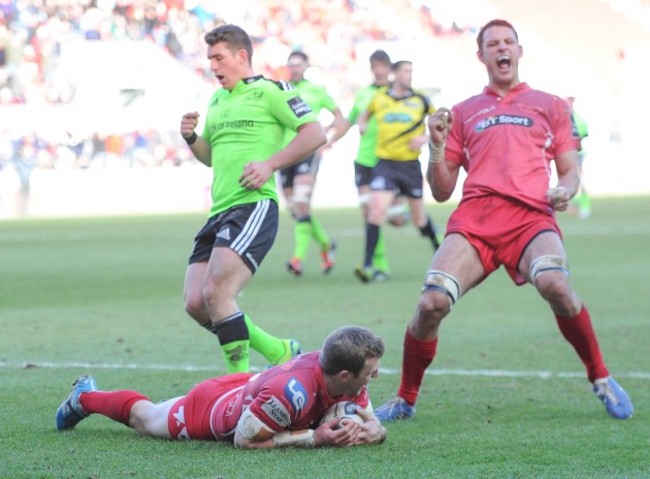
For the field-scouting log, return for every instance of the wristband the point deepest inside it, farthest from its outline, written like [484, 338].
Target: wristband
[190, 140]
[304, 438]
[434, 152]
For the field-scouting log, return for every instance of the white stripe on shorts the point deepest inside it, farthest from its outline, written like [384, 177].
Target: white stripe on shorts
[251, 228]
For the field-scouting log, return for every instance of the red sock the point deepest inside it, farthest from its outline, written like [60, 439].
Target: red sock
[417, 356]
[115, 405]
[580, 333]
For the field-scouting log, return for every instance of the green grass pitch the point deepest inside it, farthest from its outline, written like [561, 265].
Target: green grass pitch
[505, 398]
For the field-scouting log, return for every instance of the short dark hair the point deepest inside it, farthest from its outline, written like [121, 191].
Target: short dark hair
[494, 23]
[348, 348]
[234, 36]
[397, 65]
[380, 56]
[300, 54]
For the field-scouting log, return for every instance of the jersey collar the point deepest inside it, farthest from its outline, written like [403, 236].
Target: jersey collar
[408, 94]
[516, 90]
[252, 79]
[246, 81]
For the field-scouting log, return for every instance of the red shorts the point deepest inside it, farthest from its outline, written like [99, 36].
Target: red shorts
[500, 229]
[189, 417]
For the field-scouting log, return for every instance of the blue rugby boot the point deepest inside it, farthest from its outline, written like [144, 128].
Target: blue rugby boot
[395, 410]
[616, 400]
[70, 411]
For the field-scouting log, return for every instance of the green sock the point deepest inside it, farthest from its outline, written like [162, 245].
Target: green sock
[302, 236]
[236, 356]
[320, 235]
[234, 339]
[379, 258]
[269, 346]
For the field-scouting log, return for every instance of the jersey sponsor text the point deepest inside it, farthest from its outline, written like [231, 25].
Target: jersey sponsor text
[504, 120]
[276, 411]
[299, 107]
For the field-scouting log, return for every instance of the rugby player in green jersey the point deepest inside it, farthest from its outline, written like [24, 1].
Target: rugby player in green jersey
[242, 140]
[298, 180]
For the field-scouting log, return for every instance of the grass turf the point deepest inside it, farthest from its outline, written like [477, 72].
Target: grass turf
[505, 398]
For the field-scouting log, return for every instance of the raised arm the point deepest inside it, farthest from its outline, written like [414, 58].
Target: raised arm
[200, 148]
[442, 175]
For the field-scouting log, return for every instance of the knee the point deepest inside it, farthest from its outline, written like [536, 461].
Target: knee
[138, 423]
[194, 310]
[195, 304]
[138, 418]
[300, 209]
[555, 288]
[301, 198]
[433, 306]
[552, 286]
[376, 214]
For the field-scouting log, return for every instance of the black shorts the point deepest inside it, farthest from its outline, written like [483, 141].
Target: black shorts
[362, 175]
[403, 177]
[249, 230]
[308, 166]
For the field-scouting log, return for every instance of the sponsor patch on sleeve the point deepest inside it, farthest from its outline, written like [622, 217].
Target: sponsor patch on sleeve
[299, 107]
[275, 410]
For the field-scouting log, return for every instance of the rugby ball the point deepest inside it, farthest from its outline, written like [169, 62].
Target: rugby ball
[344, 410]
[398, 215]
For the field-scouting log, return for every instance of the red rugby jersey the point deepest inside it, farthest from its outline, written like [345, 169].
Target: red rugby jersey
[291, 396]
[506, 145]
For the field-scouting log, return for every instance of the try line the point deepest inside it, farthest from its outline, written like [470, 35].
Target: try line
[497, 373]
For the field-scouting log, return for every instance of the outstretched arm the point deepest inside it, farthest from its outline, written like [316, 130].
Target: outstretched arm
[252, 433]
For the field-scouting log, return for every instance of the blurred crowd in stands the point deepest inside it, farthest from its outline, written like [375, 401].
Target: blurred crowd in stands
[32, 33]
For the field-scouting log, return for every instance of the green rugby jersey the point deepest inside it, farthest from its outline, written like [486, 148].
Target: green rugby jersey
[367, 142]
[244, 125]
[316, 97]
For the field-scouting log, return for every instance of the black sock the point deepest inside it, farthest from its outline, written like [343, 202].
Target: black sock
[233, 328]
[429, 231]
[372, 237]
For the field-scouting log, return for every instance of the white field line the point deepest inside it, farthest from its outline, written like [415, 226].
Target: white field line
[496, 373]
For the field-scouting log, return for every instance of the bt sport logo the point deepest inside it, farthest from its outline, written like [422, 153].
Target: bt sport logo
[491, 121]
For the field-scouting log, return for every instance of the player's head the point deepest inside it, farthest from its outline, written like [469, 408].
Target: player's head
[494, 23]
[349, 359]
[230, 52]
[499, 51]
[348, 348]
[403, 73]
[297, 63]
[380, 66]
